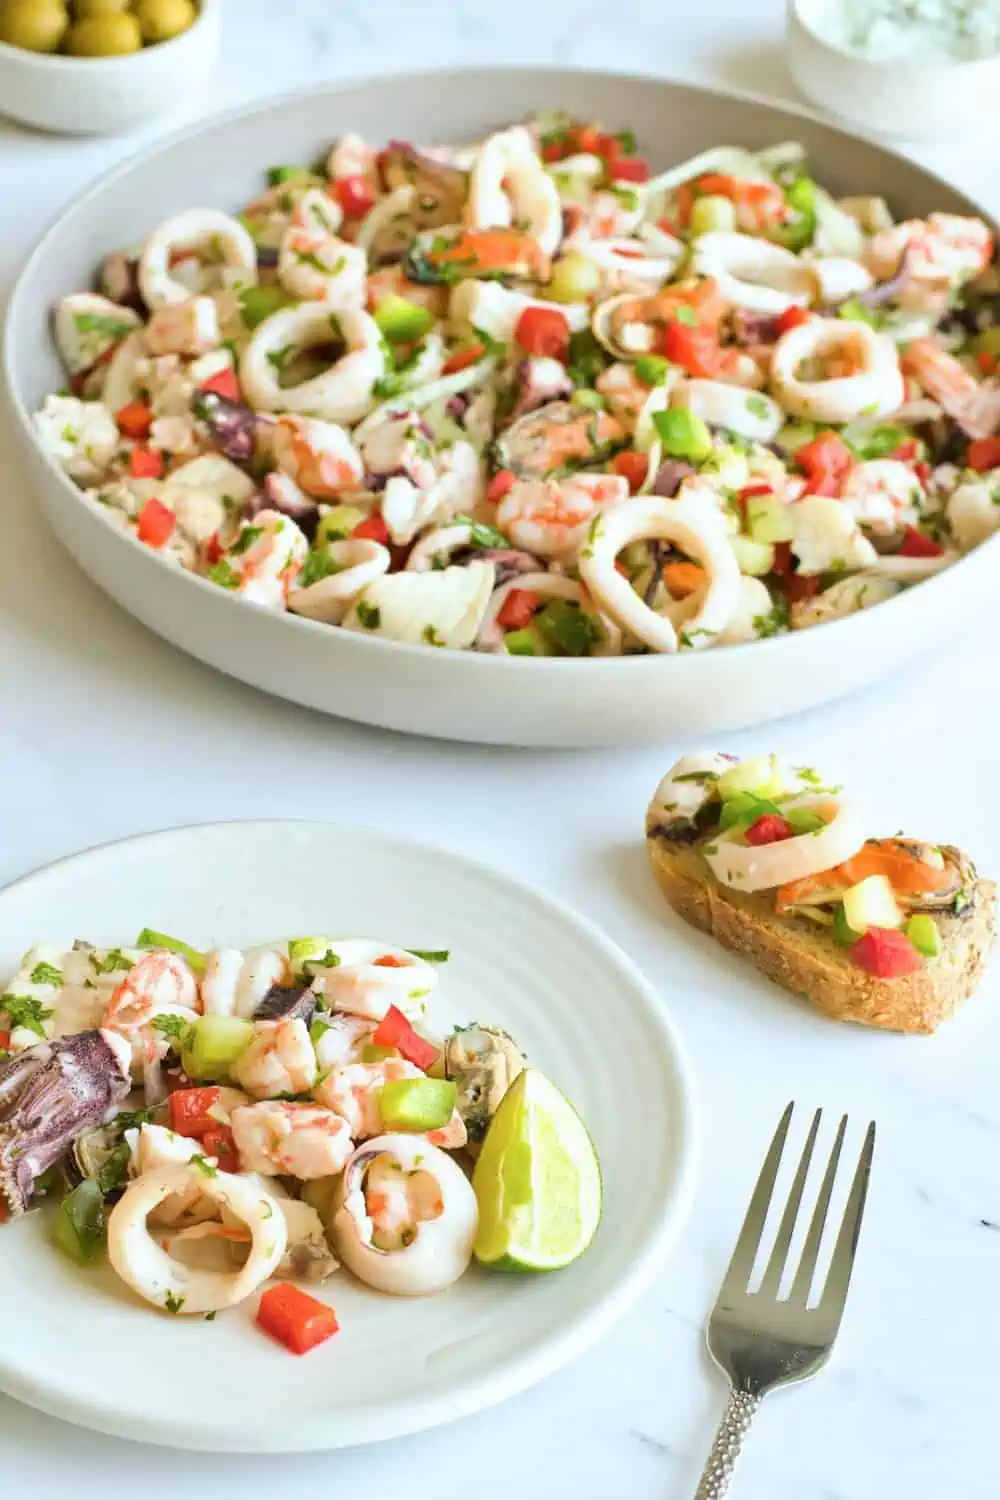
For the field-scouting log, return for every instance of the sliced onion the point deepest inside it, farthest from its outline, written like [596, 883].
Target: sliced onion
[762, 867]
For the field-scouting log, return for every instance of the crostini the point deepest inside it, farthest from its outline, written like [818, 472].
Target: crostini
[777, 866]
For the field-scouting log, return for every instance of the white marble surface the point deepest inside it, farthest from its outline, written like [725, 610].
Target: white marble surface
[105, 731]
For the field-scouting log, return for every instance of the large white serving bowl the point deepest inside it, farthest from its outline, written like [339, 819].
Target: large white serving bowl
[79, 1344]
[463, 695]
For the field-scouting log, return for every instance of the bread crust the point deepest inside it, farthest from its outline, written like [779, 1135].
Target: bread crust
[801, 956]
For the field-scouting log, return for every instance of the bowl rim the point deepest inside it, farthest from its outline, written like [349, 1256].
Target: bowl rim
[850, 628]
[922, 70]
[63, 62]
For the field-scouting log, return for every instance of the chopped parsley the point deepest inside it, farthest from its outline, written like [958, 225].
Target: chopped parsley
[772, 623]
[278, 358]
[311, 259]
[99, 323]
[204, 1166]
[627, 141]
[481, 535]
[688, 637]
[224, 575]
[627, 196]
[758, 406]
[46, 974]
[114, 961]
[114, 1173]
[172, 1026]
[173, 1304]
[317, 566]
[369, 615]
[431, 636]
[24, 1010]
[593, 536]
[245, 540]
[686, 315]
[69, 434]
[211, 1317]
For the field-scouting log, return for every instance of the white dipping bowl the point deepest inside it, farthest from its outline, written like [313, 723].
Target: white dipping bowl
[908, 101]
[102, 95]
[463, 695]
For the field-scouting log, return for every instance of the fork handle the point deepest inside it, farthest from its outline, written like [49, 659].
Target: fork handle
[741, 1409]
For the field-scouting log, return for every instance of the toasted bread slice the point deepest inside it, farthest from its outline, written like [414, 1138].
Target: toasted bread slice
[801, 955]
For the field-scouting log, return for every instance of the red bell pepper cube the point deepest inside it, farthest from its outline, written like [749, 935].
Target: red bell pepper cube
[224, 384]
[886, 953]
[394, 1030]
[295, 1319]
[145, 463]
[826, 463]
[769, 829]
[916, 544]
[189, 1111]
[792, 317]
[983, 454]
[354, 195]
[220, 1143]
[543, 331]
[373, 529]
[632, 466]
[156, 524]
[135, 420]
[502, 481]
[518, 609]
[461, 359]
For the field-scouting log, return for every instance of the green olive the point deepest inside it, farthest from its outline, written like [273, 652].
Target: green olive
[162, 19]
[83, 8]
[38, 25]
[104, 36]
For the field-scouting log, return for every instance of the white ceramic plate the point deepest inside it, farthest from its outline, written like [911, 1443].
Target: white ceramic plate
[79, 1345]
[456, 694]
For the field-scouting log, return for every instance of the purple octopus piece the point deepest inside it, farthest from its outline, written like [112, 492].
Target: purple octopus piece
[539, 381]
[287, 1002]
[48, 1095]
[118, 279]
[670, 476]
[508, 562]
[232, 424]
[280, 493]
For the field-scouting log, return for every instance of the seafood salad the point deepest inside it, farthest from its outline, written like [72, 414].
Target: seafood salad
[531, 397]
[214, 1121]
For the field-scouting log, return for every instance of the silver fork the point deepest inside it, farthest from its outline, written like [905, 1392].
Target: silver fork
[759, 1341]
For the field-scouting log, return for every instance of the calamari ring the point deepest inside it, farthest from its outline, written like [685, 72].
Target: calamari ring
[752, 273]
[165, 1282]
[360, 562]
[344, 393]
[875, 389]
[749, 414]
[762, 867]
[693, 527]
[187, 231]
[509, 184]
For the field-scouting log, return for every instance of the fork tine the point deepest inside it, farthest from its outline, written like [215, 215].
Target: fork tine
[810, 1250]
[838, 1280]
[739, 1268]
[771, 1280]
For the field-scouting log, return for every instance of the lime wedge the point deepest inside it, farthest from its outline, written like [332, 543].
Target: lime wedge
[537, 1181]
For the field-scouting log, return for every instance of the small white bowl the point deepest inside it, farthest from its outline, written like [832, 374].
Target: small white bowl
[891, 98]
[101, 95]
